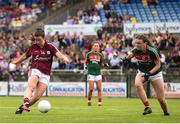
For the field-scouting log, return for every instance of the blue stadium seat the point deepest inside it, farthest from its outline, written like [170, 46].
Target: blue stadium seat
[168, 10]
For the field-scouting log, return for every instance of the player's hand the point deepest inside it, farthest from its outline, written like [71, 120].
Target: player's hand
[85, 67]
[14, 61]
[146, 77]
[66, 60]
[85, 71]
[125, 60]
[12, 66]
[106, 65]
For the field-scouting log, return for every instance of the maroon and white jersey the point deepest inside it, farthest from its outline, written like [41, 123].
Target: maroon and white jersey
[42, 57]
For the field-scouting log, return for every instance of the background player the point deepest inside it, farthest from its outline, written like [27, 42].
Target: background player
[94, 61]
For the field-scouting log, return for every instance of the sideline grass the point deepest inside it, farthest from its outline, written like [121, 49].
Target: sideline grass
[75, 110]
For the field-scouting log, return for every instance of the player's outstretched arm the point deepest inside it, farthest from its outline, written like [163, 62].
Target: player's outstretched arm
[20, 59]
[61, 56]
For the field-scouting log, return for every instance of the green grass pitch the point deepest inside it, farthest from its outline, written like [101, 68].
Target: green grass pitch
[75, 110]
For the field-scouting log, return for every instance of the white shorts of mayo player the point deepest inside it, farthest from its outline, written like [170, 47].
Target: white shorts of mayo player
[94, 77]
[153, 77]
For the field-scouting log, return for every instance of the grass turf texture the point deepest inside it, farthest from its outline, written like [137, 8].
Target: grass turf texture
[75, 110]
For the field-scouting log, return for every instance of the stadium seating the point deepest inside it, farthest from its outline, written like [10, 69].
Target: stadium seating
[17, 14]
[165, 11]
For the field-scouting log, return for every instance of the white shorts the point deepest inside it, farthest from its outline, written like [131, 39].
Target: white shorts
[153, 77]
[43, 78]
[94, 77]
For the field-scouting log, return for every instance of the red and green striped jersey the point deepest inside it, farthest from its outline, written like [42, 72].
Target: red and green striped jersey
[146, 59]
[94, 61]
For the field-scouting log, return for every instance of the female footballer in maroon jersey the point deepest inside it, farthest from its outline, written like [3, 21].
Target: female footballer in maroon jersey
[41, 54]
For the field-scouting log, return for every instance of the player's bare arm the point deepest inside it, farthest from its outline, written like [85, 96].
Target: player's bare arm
[85, 64]
[103, 64]
[20, 59]
[61, 56]
[156, 67]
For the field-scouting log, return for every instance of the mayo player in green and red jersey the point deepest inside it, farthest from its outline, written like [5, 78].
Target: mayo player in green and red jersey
[149, 68]
[94, 62]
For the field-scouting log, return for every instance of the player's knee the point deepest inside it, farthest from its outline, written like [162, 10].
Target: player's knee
[90, 89]
[99, 89]
[138, 86]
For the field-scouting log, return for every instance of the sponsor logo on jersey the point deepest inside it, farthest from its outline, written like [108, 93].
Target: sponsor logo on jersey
[40, 58]
[94, 58]
[144, 58]
[42, 52]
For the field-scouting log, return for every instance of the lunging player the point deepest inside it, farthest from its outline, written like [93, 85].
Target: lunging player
[149, 68]
[41, 54]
